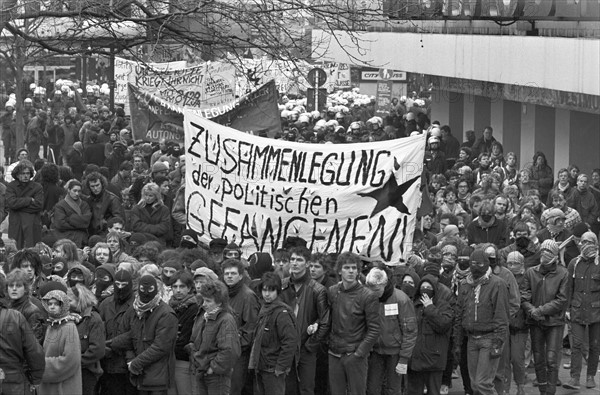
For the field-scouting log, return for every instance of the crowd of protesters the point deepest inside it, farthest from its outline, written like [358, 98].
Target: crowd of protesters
[108, 292]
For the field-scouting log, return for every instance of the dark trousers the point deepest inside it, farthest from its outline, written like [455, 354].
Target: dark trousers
[447, 374]
[464, 366]
[482, 368]
[322, 373]
[546, 343]
[15, 388]
[152, 392]
[116, 384]
[214, 384]
[382, 378]
[578, 340]
[301, 380]
[88, 381]
[266, 383]
[347, 375]
[417, 381]
[241, 381]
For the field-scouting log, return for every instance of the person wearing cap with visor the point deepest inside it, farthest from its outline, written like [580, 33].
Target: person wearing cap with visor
[583, 309]
[482, 313]
[544, 299]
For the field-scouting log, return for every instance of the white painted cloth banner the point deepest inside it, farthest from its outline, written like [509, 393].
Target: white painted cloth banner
[127, 70]
[344, 197]
[203, 86]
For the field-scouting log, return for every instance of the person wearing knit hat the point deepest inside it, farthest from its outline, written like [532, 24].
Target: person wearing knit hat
[206, 273]
[583, 312]
[63, 355]
[156, 322]
[158, 168]
[103, 287]
[515, 262]
[169, 268]
[137, 239]
[259, 264]
[232, 251]
[544, 299]
[558, 199]
[432, 268]
[216, 248]
[189, 239]
[579, 229]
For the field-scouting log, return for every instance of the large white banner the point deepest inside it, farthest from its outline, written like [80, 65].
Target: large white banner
[126, 72]
[338, 197]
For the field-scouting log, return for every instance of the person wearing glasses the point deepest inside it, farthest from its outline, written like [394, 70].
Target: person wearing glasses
[24, 200]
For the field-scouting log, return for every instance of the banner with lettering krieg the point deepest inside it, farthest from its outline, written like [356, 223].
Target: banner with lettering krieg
[203, 86]
[339, 197]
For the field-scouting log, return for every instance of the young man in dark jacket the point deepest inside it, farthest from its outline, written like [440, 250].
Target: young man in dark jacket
[486, 228]
[275, 340]
[355, 327]
[388, 361]
[104, 204]
[308, 301]
[583, 308]
[482, 314]
[544, 299]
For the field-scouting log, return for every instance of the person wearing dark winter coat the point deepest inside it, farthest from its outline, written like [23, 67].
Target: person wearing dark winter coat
[151, 216]
[151, 333]
[486, 228]
[115, 311]
[541, 175]
[185, 305]
[72, 216]
[24, 201]
[275, 339]
[93, 153]
[75, 160]
[17, 290]
[21, 356]
[544, 299]
[428, 360]
[388, 361]
[215, 343]
[245, 306]
[92, 335]
[104, 204]
[308, 299]
[482, 314]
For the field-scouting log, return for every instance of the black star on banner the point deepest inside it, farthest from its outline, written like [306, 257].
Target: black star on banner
[390, 195]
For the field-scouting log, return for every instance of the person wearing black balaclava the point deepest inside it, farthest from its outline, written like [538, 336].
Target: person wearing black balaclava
[486, 228]
[583, 294]
[522, 244]
[429, 357]
[115, 379]
[544, 299]
[152, 370]
[189, 239]
[103, 287]
[482, 315]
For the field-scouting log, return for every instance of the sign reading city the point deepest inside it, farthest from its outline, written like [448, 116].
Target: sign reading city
[376, 75]
[339, 197]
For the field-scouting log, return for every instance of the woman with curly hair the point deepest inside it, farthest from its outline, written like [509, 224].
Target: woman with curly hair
[24, 201]
[151, 216]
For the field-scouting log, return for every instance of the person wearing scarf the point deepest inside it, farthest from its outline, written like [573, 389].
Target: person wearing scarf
[388, 361]
[152, 336]
[482, 315]
[519, 332]
[62, 375]
[275, 341]
[583, 294]
[91, 334]
[185, 305]
[544, 299]
[103, 286]
[72, 215]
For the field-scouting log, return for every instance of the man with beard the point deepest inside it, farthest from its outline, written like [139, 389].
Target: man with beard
[115, 380]
[583, 295]
[482, 313]
[523, 245]
[559, 201]
[544, 299]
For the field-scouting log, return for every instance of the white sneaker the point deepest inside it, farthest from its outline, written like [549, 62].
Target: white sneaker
[444, 390]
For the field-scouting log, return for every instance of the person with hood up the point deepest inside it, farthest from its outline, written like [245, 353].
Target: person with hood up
[92, 336]
[185, 305]
[24, 201]
[388, 361]
[150, 332]
[583, 309]
[62, 375]
[482, 315]
[72, 215]
[544, 299]
[215, 343]
[189, 239]
[434, 320]
[79, 274]
[275, 339]
[541, 176]
[104, 287]
[114, 312]
[486, 228]
[151, 216]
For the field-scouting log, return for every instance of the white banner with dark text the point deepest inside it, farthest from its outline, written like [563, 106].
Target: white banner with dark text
[338, 197]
